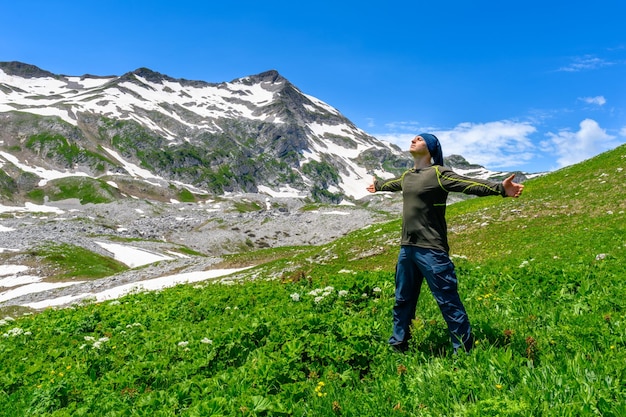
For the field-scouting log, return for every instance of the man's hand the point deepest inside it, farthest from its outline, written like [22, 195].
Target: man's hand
[512, 189]
[372, 188]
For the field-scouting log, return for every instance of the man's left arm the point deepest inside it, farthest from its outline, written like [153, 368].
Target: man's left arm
[453, 182]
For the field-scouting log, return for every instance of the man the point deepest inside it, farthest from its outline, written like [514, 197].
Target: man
[424, 243]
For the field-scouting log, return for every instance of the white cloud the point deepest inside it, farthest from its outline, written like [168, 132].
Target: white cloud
[574, 147]
[501, 144]
[507, 144]
[495, 144]
[413, 127]
[599, 100]
[584, 63]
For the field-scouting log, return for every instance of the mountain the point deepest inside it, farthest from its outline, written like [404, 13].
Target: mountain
[101, 138]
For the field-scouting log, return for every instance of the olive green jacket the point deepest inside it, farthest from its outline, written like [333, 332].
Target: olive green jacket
[424, 194]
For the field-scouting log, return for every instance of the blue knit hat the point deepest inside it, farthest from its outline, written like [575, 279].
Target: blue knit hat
[434, 147]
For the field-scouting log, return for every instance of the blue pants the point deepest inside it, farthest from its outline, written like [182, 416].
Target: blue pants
[415, 264]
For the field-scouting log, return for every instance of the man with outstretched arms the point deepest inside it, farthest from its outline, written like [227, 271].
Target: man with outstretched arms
[424, 242]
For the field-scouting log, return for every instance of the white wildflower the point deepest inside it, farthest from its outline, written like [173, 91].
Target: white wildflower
[207, 341]
[326, 293]
[115, 303]
[523, 264]
[600, 256]
[329, 289]
[16, 331]
[98, 343]
[183, 344]
[318, 299]
[295, 296]
[9, 318]
[364, 295]
[342, 293]
[377, 289]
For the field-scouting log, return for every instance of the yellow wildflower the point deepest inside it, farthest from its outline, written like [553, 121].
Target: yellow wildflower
[319, 388]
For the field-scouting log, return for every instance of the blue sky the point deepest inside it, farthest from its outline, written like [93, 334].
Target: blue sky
[531, 86]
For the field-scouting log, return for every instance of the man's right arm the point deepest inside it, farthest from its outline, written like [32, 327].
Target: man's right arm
[393, 185]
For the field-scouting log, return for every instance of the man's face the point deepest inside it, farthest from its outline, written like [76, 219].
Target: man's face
[418, 146]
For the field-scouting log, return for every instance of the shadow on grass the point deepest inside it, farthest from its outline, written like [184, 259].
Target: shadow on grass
[505, 338]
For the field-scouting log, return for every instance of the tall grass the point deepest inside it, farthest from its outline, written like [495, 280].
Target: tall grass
[305, 333]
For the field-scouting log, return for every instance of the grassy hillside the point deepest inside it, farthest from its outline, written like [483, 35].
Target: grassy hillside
[305, 333]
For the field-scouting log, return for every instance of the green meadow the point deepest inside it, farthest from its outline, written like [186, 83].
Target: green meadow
[304, 332]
